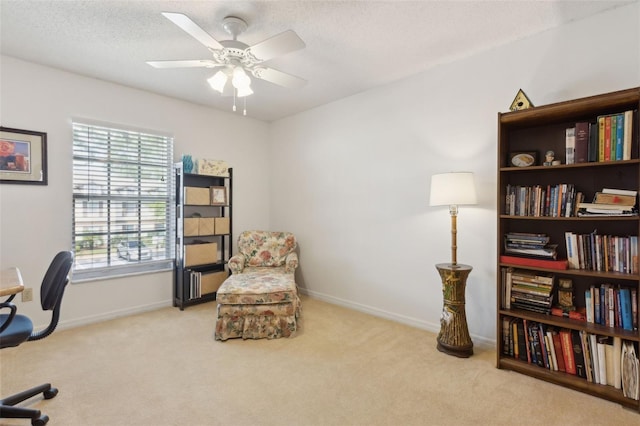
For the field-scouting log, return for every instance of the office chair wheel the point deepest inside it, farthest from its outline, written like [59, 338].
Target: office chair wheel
[40, 421]
[48, 394]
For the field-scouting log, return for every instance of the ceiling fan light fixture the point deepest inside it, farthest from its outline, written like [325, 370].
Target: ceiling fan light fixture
[240, 78]
[244, 91]
[218, 81]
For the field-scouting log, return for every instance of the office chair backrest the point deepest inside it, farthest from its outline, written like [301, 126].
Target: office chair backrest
[52, 289]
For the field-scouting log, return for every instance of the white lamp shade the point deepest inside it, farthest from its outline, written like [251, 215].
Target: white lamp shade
[456, 188]
[218, 81]
[240, 78]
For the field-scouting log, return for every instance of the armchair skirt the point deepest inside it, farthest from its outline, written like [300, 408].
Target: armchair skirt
[257, 305]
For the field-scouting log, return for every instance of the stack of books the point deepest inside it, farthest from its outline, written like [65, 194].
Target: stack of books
[528, 290]
[530, 245]
[610, 202]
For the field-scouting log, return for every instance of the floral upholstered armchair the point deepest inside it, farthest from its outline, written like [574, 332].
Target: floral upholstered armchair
[260, 298]
[265, 252]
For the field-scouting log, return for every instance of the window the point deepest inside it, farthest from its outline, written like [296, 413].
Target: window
[123, 196]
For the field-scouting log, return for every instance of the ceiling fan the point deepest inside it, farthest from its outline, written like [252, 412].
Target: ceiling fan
[237, 59]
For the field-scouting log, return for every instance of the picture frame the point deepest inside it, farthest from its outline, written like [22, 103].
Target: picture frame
[23, 156]
[523, 159]
[218, 195]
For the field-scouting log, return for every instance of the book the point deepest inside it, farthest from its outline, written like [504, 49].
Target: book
[557, 345]
[567, 351]
[539, 263]
[630, 192]
[570, 145]
[582, 142]
[551, 349]
[625, 309]
[607, 138]
[593, 350]
[601, 143]
[627, 133]
[572, 250]
[588, 366]
[614, 199]
[603, 206]
[617, 353]
[522, 342]
[602, 359]
[593, 143]
[619, 136]
[578, 355]
[630, 371]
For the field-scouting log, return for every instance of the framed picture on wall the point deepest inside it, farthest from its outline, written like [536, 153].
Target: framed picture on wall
[218, 195]
[23, 156]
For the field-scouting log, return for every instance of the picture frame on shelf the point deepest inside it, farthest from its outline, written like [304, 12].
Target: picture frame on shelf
[523, 159]
[23, 156]
[218, 195]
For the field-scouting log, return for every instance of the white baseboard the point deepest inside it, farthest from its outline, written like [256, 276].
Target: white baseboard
[403, 319]
[92, 319]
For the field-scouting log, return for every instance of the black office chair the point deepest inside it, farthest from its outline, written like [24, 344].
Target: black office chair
[16, 329]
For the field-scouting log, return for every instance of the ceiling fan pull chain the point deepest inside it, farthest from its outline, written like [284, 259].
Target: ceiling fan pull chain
[234, 99]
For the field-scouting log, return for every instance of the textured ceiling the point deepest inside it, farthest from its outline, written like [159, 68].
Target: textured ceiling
[351, 46]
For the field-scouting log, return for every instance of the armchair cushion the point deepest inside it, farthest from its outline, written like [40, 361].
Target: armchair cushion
[265, 249]
[256, 289]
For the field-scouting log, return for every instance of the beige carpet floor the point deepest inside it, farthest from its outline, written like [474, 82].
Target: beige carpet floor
[343, 368]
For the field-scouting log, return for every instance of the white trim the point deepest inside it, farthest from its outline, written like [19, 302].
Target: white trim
[122, 127]
[410, 321]
[92, 319]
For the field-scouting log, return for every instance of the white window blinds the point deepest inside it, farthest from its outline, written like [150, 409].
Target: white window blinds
[123, 197]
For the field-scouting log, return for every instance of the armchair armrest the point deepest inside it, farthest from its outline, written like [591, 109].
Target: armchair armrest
[291, 262]
[13, 309]
[236, 263]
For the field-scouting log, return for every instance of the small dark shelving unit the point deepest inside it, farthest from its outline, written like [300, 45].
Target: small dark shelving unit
[184, 293]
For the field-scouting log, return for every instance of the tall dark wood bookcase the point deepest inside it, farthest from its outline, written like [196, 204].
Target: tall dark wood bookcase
[203, 236]
[539, 129]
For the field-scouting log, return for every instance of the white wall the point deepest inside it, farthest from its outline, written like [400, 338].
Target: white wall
[35, 221]
[351, 179]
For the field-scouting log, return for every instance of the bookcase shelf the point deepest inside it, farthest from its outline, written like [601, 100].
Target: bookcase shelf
[537, 130]
[569, 381]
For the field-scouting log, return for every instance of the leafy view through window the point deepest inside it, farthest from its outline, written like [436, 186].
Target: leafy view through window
[122, 201]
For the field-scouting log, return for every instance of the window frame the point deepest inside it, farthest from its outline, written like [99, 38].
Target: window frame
[104, 176]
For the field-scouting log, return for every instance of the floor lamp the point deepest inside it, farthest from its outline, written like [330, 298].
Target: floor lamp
[453, 189]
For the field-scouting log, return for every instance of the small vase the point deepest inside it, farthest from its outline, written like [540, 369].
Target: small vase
[187, 164]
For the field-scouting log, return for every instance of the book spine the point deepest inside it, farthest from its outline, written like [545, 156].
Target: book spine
[627, 133]
[601, 147]
[557, 344]
[567, 350]
[619, 137]
[578, 354]
[593, 142]
[570, 145]
[582, 142]
[607, 138]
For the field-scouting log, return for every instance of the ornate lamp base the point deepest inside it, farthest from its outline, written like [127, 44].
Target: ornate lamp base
[454, 338]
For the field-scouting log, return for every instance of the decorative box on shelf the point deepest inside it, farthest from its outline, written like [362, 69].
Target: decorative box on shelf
[197, 196]
[212, 167]
[200, 254]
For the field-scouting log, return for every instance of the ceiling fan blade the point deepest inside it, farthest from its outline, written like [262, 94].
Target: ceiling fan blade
[191, 28]
[194, 63]
[278, 77]
[277, 45]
